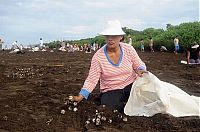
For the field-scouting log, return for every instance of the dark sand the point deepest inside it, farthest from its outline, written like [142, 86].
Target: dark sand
[33, 87]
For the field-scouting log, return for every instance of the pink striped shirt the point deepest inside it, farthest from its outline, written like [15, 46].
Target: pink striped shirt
[113, 76]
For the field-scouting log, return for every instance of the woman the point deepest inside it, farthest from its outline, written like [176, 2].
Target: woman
[117, 65]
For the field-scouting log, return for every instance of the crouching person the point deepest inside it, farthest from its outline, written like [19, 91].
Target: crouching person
[193, 54]
[116, 65]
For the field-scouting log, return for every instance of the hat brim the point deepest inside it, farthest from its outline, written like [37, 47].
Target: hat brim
[107, 34]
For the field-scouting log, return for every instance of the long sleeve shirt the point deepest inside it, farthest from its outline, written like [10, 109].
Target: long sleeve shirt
[112, 76]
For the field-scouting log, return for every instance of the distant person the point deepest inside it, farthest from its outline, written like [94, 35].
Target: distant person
[193, 54]
[142, 45]
[130, 40]
[163, 49]
[17, 48]
[176, 45]
[67, 46]
[85, 47]
[88, 49]
[62, 46]
[1, 43]
[70, 48]
[81, 48]
[21, 47]
[117, 65]
[97, 46]
[41, 43]
[76, 47]
[14, 45]
[94, 46]
[151, 45]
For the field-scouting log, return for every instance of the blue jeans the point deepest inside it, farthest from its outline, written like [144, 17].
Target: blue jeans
[177, 48]
[116, 99]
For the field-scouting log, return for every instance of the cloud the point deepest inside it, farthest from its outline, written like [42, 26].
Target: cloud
[77, 30]
[86, 18]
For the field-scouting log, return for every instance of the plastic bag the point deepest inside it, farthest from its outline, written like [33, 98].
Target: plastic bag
[150, 96]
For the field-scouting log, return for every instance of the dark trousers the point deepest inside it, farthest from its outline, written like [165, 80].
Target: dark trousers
[116, 99]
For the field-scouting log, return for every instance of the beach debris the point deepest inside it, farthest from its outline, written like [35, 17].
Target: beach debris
[89, 119]
[120, 116]
[109, 120]
[70, 98]
[87, 122]
[94, 120]
[103, 118]
[25, 72]
[75, 109]
[5, 118]
[66, 102]
[98, 115]
[69, 108]
[62, 112]
[125, 119]
[75, 103]
[115, 111]
[49, 121]
[98, 121]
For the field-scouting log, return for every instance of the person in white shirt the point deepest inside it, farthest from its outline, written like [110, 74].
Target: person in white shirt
[17, 48]
[62, 46]
[130, 40]
[176, 45]
[15, 45]
[41, 43]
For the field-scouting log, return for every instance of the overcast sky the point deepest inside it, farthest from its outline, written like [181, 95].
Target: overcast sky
[28, 20]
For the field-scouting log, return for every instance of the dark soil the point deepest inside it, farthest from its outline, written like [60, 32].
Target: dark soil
[34, 87]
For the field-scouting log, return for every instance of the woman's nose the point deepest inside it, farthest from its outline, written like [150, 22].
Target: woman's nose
[109, 38]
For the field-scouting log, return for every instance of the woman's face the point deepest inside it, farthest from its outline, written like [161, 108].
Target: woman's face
[112, 41]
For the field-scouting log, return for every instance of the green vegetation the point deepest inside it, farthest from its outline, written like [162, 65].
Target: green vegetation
[53, 44]
[186, 32]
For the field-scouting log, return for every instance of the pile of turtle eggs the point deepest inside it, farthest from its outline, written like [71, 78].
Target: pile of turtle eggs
[72, 106]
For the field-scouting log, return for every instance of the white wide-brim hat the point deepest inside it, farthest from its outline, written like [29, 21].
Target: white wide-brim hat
[195, 46]
[113, 28]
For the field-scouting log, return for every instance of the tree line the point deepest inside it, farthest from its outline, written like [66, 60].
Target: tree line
[187, 33]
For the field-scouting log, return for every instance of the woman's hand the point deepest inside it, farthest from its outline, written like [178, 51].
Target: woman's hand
[141, 72]
[77, 99]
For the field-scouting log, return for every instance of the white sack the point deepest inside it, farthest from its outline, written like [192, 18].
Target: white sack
[14, 51]
[35, 49]
[150, 96]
